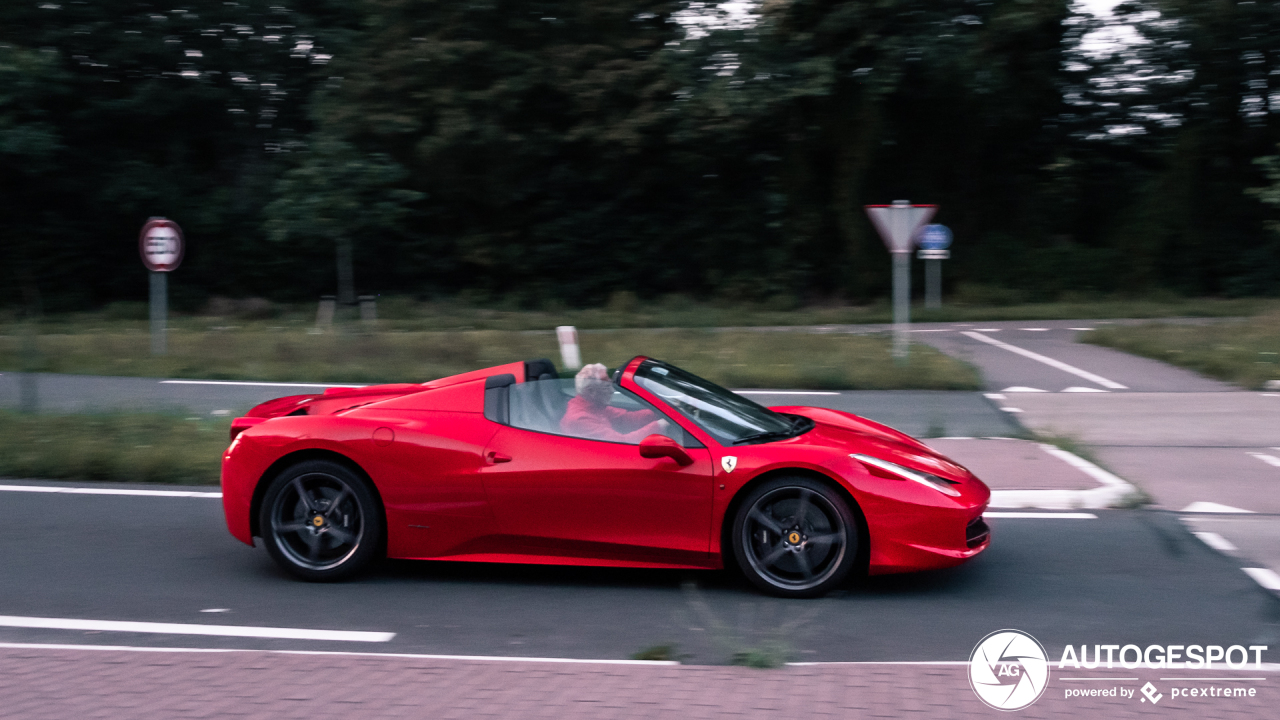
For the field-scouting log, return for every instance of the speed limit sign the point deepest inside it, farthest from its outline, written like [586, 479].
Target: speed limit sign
[161, 245]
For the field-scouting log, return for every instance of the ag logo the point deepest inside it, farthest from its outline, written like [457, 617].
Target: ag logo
[729, 462]
[1008, 670]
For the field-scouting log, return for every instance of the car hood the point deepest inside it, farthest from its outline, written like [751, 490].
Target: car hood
[855, 434]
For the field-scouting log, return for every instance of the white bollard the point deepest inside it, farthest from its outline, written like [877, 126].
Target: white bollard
[570, 357]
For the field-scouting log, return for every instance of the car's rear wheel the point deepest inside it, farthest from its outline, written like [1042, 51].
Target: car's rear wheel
[320, 521]
[795, 537]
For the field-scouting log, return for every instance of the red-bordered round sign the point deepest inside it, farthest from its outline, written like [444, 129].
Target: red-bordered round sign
[161, 245]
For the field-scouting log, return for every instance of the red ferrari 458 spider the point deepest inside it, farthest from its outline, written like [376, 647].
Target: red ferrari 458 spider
[661, 469]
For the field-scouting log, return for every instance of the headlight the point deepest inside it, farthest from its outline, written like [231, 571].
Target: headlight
[929, 480]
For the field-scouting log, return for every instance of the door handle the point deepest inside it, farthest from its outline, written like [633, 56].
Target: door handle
[496, 457]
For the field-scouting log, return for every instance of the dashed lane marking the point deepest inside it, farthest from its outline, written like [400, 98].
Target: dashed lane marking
[1211, 507]
[1053, 515]
[1265, 577]
[1058, 364]
[1271, 460]
[44, 623]
[1217, 542]
[107, 491]
[1078, 389]
[1022, 389]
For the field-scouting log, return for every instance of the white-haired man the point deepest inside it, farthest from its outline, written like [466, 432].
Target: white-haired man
[589, 414]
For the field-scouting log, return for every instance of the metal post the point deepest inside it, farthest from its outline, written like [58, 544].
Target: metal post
[901, 303]
[159, 312]
[933, 284]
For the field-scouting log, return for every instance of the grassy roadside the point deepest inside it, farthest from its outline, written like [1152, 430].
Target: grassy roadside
[732, 358]
[1245, 352]
[113, 447]
[401, 314]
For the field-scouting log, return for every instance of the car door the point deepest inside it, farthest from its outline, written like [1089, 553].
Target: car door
[557, 497]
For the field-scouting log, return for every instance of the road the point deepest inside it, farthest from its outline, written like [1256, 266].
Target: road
[1128, 576]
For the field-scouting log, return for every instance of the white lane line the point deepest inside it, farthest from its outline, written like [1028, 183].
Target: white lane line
[1022, 389]
[784, 392]
[255, 384]
[411, 656]
[1080, 329]
[983, 330]
[1086, 467]
[1271, 460]
[993, 396]
[1217, 542]
[190, 629]
[107, 491]
[1078, 389]
[1054, 515]
[1265, 577]
[1047, 361]
[1035, 329]
[1011, 409]
[1210, 507]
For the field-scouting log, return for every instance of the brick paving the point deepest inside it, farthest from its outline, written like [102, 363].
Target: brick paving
[39, 683]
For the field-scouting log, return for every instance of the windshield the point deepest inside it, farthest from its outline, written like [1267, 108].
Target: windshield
[726, 416]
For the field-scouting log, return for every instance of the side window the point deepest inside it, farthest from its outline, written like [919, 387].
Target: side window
[553, 406]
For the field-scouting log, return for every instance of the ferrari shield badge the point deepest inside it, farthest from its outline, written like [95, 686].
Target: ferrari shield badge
[729, 462]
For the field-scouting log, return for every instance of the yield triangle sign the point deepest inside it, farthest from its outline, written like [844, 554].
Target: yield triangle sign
[899, 222]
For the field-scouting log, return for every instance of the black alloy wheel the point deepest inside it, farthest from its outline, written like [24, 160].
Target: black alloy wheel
[795, 537]
[320, 521]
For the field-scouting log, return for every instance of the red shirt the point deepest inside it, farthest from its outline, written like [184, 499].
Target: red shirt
[582, 419]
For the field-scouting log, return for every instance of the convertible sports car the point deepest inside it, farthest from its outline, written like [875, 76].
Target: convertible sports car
[509, 464]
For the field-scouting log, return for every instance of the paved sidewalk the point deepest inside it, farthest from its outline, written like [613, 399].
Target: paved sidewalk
[36, 684]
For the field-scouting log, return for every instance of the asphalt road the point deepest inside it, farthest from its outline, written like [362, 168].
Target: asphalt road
[1128, 576]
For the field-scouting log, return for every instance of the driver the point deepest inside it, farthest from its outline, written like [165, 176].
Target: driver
[590, 416]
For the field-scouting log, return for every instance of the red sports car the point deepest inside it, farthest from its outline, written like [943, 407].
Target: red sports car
[662, 469]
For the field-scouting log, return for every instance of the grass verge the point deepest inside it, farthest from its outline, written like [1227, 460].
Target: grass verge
[1245, 352]
[732, 358]
[113, 447]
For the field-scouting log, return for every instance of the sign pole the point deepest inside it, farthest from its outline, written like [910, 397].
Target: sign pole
[159, 312]
[933, 283]
[162, 247]
[897, 225]
[901, 304]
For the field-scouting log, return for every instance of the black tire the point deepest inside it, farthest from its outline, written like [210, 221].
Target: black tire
[795, 537]
[321, 521]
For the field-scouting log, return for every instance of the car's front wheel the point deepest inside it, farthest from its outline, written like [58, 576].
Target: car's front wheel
[795, 537]
[320, 521]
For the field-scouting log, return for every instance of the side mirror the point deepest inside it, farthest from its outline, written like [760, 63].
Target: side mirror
[660, 446]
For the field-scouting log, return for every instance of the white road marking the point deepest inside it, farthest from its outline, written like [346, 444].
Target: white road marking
[190, 629]
[993, 396]
[1080, 329]
[216, 610]
[1217, 542]
[255, 384]
[1271, 460]
[1022, 389]
[1054, 515]
[1265, 577]
[1209, 507]
[496, 658]
[1011, 409]
[1077, 388]
[984, 330]
[107, 491]
[1035, 329]
[1058, 364]
[784, 392]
